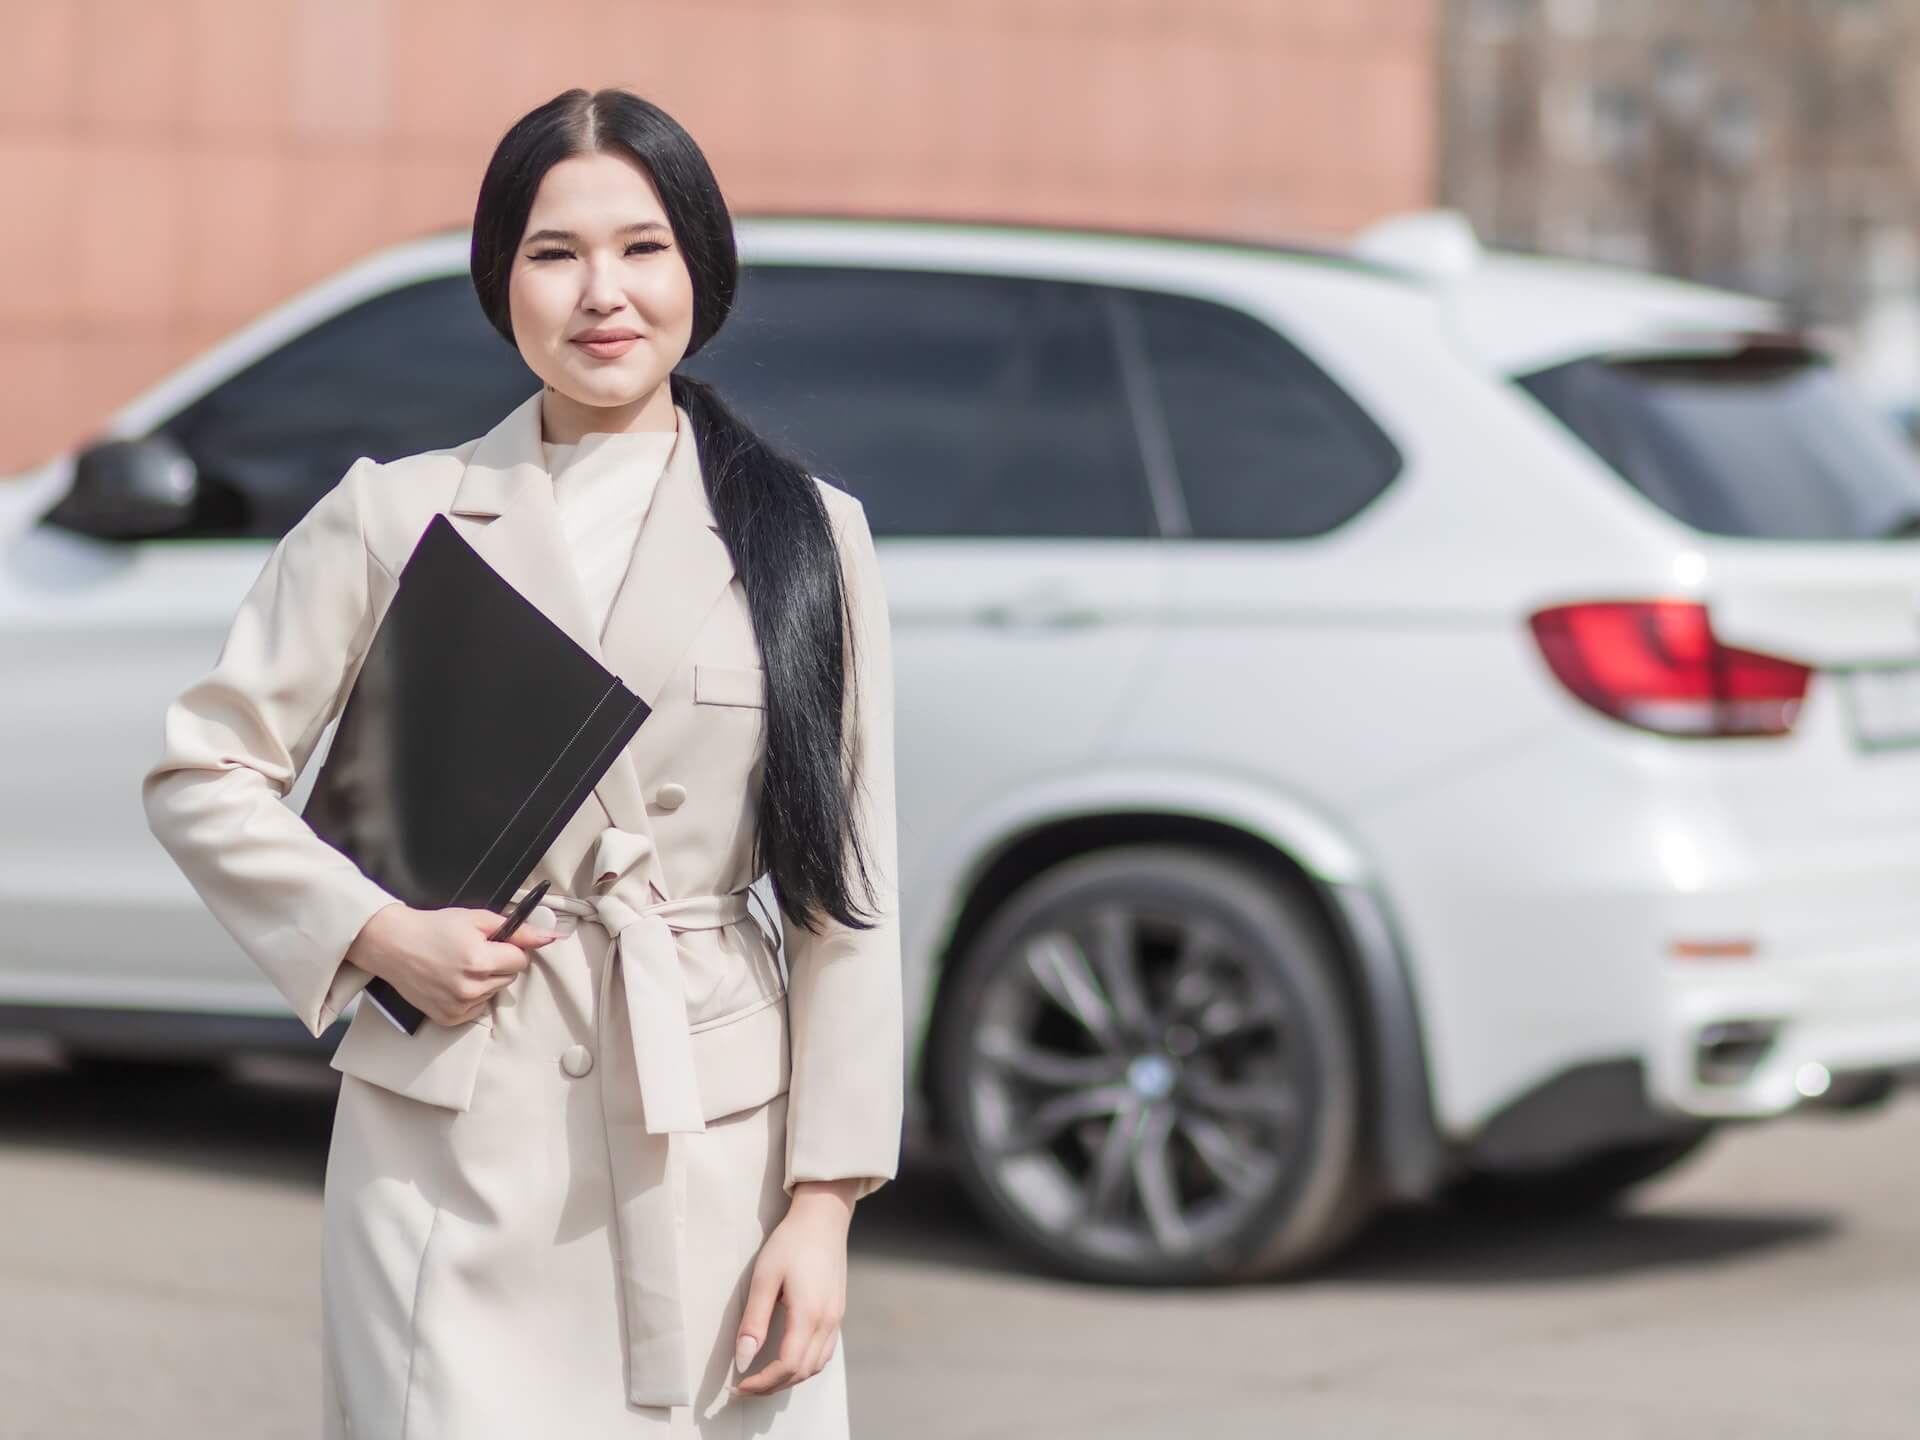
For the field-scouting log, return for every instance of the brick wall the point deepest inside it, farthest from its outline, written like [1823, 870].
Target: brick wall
[174, 166]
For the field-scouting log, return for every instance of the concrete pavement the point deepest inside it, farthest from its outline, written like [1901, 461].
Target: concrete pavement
[158, 1277]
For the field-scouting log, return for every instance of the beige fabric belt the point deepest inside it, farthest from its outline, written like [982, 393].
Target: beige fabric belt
[651, 1095]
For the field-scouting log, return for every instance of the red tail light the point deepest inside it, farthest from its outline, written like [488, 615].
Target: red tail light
[1655, 664]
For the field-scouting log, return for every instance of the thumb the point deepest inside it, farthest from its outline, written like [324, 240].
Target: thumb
[531, 937]
[758, 1315]
[488, 921]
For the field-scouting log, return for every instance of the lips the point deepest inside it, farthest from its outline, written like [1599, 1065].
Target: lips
[608, 348]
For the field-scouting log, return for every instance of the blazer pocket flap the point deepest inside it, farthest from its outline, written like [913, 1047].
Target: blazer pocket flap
[742, 1063]
[730, 685]
[437, 1064]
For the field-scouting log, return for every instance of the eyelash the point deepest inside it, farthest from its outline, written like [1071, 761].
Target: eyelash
[555, 254]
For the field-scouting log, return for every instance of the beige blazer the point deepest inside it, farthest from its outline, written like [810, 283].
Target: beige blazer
[588, 1100]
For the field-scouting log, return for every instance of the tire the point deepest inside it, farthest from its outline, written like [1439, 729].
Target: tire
[1593, 1182]
[1200, 1124]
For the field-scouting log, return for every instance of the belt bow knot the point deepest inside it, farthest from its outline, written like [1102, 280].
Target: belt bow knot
[649, 968]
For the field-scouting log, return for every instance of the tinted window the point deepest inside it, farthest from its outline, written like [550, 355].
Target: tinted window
[416, 369]
[1266, 446]
[950, 404]
[1769, 444]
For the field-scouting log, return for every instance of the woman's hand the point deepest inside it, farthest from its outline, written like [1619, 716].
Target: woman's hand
[804, 1265]
[441, 960]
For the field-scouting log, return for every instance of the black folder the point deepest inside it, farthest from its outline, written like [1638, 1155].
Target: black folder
[474, 730]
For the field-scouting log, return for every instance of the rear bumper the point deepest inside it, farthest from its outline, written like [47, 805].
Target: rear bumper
[1796, 1020]
[1546, 898]
[1751, 1039]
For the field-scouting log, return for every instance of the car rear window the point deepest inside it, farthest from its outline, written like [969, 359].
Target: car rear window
[1766, 443]
[1267, 446]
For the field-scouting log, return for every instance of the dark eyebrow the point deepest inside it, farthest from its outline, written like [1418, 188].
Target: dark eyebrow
[569, 236]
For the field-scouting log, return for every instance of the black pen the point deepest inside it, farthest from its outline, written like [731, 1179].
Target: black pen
[521, 911]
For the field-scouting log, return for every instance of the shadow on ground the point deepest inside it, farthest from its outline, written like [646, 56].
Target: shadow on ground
[1437, 1246]
[272, 1119]
[269, 1124]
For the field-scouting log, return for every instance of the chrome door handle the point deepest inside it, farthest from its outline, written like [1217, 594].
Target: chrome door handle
[1038, 609]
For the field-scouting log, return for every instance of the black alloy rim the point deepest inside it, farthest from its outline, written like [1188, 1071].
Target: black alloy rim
[1138, 1089]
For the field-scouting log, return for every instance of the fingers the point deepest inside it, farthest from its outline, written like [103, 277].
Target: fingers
[757, 1316]
[504, 957]
[778, 1374]
[829, 1340]
[477, 997]
[483, 977]
[826, 1337]
[815, 1360]
[498, 967]
[511, 956]
[461, 970]
[804, 1352]
[528, 937]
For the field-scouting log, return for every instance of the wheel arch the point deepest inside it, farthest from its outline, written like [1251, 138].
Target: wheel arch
[1291, 847]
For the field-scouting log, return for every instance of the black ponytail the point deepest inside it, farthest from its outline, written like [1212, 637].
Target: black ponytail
[770, 511]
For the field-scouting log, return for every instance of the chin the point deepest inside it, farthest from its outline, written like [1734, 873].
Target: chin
[604, 391]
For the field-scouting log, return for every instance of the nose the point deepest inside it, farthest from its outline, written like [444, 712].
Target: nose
[603, 287]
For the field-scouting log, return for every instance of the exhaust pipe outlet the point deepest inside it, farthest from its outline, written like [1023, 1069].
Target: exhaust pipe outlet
[1727, 1052]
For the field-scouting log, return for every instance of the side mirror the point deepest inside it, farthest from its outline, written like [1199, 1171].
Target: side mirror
[129, 489]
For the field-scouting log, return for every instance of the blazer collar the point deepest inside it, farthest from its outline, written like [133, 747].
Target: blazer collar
[679, 569]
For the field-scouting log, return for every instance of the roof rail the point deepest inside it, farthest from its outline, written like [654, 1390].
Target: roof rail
[1326, 252]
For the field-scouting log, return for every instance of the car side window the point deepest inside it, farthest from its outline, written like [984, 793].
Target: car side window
[1266, 445]
[951, 405]
[414, 369]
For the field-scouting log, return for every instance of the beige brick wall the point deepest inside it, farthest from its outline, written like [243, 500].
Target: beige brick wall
[172, 167]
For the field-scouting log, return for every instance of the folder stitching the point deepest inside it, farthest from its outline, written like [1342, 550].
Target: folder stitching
[592, 769]
[564, 751]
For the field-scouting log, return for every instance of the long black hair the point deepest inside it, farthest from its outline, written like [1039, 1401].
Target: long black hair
[771, 514]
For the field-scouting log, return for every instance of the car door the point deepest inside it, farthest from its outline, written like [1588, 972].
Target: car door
[110, 630]
[983, 421]
[1271, 594]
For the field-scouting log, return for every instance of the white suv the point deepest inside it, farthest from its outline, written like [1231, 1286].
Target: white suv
[1370, 723]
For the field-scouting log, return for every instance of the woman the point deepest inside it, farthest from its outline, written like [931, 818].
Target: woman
[606, 1190]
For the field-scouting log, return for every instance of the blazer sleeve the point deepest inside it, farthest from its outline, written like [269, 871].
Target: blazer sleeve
[236, 740]
[847, 1084]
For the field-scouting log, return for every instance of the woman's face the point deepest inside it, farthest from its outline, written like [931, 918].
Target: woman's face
[598, 255]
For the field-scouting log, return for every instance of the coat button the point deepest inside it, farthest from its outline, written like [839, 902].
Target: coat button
[670, 796]
[576, 1060]
[541, 917]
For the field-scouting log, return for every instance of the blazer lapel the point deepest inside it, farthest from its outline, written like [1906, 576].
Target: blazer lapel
[679, 568]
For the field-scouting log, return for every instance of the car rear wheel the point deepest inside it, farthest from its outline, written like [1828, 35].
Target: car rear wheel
[1148, 1066]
